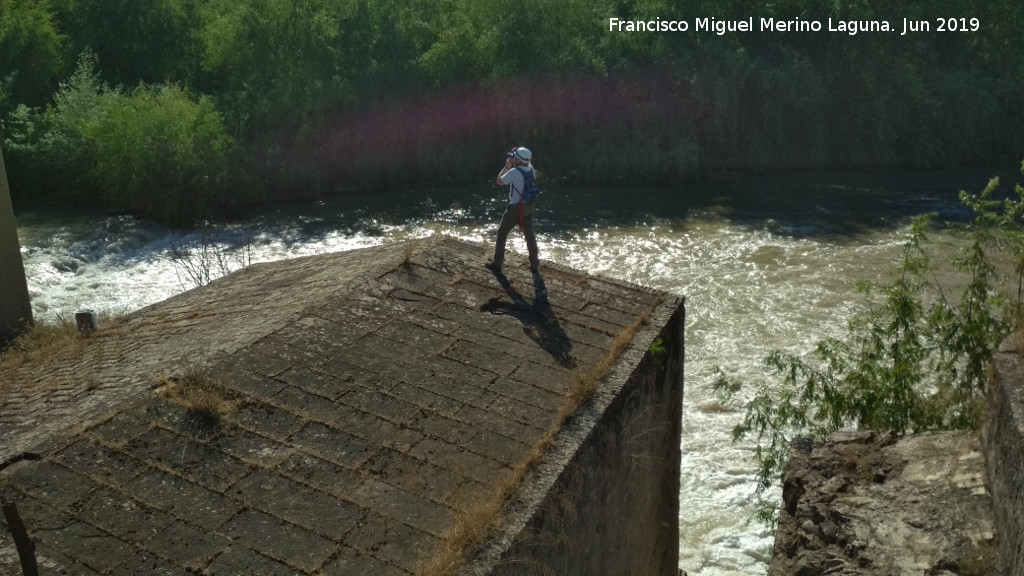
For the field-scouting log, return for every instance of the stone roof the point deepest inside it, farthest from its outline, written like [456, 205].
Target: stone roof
[332, 414]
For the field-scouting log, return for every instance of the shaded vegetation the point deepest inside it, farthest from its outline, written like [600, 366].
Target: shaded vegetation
[231, 101]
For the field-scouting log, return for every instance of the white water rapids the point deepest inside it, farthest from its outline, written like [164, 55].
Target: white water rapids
[763, 265]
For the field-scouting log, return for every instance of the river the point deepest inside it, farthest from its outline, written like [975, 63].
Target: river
[764, 262]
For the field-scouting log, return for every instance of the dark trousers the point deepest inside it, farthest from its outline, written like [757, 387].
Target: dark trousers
[509, 221]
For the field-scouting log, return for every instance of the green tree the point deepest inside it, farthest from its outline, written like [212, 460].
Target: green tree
[283, 62]
[31, 54]
[49, 153]
[490, 40]
[152, 41]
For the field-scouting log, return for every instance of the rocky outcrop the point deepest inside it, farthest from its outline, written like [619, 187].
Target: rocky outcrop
[863, 504]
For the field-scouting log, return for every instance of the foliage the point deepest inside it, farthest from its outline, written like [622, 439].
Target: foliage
[31, 57]
[916, 360]
[279, 60]
[151, 42]
[327, 94]
[159, 152]
[156, 150]
[499, 40]
[48, 149]
[657, 348]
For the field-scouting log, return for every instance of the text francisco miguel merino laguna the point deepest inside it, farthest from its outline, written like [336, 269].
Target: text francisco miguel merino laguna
[851, 27]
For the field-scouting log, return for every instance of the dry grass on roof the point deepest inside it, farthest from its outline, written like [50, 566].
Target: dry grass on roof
[479, 519]
[45, 340]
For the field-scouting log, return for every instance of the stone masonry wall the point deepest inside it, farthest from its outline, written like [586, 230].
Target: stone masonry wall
[1003, 439]
[614, 507]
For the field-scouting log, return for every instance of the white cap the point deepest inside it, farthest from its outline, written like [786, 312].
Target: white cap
[523, 154]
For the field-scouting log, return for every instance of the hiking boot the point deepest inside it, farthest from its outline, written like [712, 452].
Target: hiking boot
[493, 267]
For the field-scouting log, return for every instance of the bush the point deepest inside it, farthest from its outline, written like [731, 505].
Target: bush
[48, 151]
[159, 153]
[155, 151]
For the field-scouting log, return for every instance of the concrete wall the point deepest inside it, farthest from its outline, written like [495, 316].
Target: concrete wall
[614, 507]
[15, 309]
[1003, 441]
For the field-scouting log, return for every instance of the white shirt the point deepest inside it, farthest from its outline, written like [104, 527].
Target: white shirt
[514, 178]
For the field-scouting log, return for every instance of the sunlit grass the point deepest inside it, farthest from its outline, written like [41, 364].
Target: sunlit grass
[42, 341]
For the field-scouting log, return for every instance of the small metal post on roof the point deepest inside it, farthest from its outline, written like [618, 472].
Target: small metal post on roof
[87, 321]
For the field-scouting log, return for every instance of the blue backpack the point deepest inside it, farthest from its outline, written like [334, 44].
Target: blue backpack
[530, 188]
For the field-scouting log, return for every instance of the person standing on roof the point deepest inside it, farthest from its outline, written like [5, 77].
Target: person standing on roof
[521, 179]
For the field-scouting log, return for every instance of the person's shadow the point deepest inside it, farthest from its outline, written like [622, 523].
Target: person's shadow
[538, 319]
